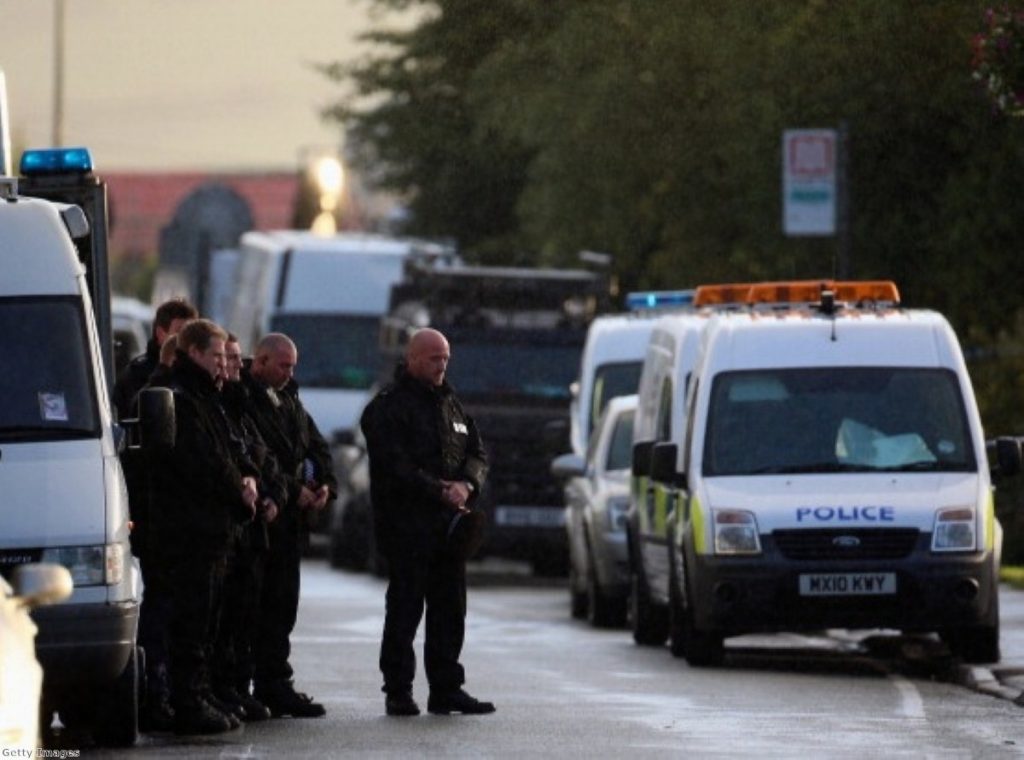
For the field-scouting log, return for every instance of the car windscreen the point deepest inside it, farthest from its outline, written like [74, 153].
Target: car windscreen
[837, 419]
[611, 380]
[48, 389]
[335, 350]
[513, 363]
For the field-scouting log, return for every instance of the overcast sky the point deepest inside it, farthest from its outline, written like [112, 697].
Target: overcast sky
[180, 84]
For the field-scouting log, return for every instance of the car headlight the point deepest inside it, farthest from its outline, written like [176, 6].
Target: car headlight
[615, 512]
[736, 532]
[90, 565]
[955, 530]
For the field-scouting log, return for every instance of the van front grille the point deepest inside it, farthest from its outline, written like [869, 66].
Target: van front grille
[846, 543]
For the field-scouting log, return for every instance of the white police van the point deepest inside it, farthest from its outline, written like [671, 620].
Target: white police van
[832, 473]
[613, 357]
[64, 498]
[669, 358]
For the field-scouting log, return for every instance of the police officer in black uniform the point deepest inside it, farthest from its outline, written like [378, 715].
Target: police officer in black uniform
[427, 463]
[154, 614]
[200, 490]
[304, 460]
[240, 606]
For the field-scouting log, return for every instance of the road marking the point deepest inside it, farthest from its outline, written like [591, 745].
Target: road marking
[911, 704]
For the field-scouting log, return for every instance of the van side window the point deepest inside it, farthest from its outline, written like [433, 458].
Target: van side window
[664, 424]
[691, 403]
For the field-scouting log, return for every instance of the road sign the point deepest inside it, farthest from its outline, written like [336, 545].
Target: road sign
[809, 181]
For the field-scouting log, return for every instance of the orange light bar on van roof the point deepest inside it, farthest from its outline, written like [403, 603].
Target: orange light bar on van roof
[717, 295]
[809, 291]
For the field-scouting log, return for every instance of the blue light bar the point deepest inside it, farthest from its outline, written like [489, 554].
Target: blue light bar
[56, 161]
[659, 299]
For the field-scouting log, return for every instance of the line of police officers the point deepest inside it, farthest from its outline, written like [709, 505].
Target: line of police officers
[217, 525]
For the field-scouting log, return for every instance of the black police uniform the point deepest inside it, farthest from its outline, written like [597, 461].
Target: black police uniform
[418, 435]
[300, 451]
[196, 500]
[239, 612]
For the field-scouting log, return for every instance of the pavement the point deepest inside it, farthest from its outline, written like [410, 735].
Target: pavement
[1004, 679]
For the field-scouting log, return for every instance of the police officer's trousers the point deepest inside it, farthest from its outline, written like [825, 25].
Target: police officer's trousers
[439, 581]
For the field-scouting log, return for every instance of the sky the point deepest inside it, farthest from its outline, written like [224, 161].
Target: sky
[221, 85]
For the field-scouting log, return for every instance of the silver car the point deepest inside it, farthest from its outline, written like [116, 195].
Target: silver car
[597, 499]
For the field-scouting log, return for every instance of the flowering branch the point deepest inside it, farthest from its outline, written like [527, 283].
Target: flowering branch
[998, 61]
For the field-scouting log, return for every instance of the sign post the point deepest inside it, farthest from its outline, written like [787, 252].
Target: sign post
[809, 171]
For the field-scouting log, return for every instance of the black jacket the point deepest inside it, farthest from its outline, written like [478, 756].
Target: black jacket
[418, 435]
[197, 486]
[133, 378]
[302, 454]
[249, 444]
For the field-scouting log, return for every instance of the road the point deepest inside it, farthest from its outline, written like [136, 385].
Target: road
[565, 690]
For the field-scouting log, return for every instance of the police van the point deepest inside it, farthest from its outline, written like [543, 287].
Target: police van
[64, 494]
[613, 358]
[831, 472]
[668, 360]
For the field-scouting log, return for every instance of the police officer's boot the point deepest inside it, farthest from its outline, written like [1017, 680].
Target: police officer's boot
[281, 699]
[196, 716]
[157, 715]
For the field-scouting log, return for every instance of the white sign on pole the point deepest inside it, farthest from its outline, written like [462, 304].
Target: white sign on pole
[809, 181]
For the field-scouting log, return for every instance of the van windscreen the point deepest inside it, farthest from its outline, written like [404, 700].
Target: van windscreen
[837, 419]
[47, 385]
[335, 350]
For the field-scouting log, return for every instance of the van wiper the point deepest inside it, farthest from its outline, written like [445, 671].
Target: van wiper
[926, 467]
[809, 467]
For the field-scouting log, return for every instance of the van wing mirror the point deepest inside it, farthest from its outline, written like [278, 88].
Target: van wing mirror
[642, 458]
[568, 466]
[1004, 456]
[156, 418]
[663, 464]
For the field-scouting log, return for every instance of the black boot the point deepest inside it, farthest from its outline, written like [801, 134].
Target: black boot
[458, 701]
[401, 704]
[281, 698]
[198, 717]
[252, 710]
[157, 713]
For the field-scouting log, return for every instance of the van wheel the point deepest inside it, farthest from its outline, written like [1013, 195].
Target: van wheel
[603, 611]
[703, 648]
[577, 598]
[648, 620]
[117, 714]
[977, 644]
[676, 613]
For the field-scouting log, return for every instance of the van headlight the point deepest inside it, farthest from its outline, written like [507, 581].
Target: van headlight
[615, 512]
[90, 565]
[736, 532]
[955, 530]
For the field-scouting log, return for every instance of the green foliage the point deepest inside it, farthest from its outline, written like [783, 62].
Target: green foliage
[531, 129]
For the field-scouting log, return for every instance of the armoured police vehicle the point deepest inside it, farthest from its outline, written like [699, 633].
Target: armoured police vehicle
[516, 335]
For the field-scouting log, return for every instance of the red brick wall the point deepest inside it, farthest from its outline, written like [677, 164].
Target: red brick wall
[142, 204]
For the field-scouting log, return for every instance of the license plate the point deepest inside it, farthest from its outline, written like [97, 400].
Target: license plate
[847, 584]
[530, 517]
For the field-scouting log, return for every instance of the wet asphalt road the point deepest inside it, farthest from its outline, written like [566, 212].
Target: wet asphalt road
[565, 690]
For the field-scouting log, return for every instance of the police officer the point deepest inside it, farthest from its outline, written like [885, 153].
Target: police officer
[304, 460]
[239, 609]
[427, 462]
[200, 490]
[157, 714]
